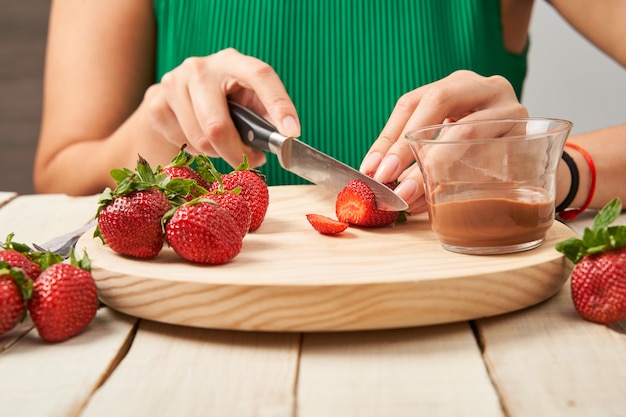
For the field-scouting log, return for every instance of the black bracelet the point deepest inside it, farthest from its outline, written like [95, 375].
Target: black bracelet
[573, 188]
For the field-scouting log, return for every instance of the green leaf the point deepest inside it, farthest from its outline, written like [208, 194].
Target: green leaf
[607, 215]
[600, 237]
[572, 248]
[121, 174]
[82, 263]
[207, 170]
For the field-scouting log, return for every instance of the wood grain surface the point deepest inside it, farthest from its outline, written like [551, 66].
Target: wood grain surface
[288, 277]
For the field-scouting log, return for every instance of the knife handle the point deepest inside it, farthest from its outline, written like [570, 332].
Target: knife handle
[253, 129]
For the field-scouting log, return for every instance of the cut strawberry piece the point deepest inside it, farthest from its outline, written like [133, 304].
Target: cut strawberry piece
[356, 204]
[325, 225]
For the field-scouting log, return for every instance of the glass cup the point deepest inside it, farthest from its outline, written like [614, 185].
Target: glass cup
[490, 184]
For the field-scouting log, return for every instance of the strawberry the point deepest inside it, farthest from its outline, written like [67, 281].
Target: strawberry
[15, 289]
[202, 231]
[325, 225]
[253, 189]
[130, 217]
[131, 224]
[180, 167]
[236, 205]
[19, 255]
[64, 300]
[598, 279]
[356, 205]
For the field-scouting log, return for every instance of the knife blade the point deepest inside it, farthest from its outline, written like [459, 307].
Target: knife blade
[305, 161]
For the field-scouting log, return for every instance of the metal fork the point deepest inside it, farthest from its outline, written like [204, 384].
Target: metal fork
[62, 245]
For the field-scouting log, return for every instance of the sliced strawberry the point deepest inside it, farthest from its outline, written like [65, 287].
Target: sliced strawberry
[325, 225]
[356, 204]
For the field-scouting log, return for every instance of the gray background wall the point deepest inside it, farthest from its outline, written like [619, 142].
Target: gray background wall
[567, 78]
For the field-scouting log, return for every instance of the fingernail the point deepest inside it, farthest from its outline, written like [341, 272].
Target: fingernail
[290, 127]
[370, 162]
[387, 170]
[407, 190]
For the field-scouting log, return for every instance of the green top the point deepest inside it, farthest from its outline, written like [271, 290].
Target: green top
[344, 62]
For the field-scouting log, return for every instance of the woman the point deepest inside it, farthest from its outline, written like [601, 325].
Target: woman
[144, 77]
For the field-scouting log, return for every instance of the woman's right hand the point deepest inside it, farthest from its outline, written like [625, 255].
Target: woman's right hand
[189, 104]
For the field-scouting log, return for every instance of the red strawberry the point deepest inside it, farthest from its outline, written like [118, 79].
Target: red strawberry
[15, 289]
[325, 225]
[180, 168]
[130, 217]
[203, 232]
[19, 255]
[236, 205]
[253, 189]
[19, 260]
[598, 279]
[64, 300]
[356, 205]
[131, 224]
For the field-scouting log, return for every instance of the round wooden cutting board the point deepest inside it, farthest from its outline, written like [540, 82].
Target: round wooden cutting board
[288, 277]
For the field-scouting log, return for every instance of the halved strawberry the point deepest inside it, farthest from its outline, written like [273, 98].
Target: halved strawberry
[356, 205]
[325, 225]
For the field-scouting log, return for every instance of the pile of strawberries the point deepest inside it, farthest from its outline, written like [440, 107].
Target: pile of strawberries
[60, 296]
[202, 214]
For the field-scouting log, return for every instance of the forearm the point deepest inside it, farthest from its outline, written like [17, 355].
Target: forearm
[82, 167]
[607, 149]
[601, 22]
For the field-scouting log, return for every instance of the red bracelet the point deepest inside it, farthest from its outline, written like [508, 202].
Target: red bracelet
[570, 214]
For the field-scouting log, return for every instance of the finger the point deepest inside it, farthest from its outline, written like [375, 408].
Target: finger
[270, 98]
[163, 119]
[210, 108]
[175, 88]
[411, 187]
[458, 96]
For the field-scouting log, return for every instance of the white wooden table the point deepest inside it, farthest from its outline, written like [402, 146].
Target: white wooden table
[541, 361]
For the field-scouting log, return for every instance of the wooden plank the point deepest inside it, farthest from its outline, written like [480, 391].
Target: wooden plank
[57, 379]
[547, 360]
[6, 196]
[183, 371]
[431, 371]
[38, 218]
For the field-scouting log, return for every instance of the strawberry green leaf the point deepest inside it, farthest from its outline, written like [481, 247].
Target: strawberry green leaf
[9, 243]
[82, 263]
[207, 170]
[607, 215]
[121, 174]
[599, 238]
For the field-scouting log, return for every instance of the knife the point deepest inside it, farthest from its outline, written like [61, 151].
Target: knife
[305, 161]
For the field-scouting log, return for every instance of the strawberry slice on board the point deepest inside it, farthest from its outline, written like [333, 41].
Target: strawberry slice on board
[356, 205]
[326, 225]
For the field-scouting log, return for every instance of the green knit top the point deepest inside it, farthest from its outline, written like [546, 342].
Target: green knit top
[344, 63]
